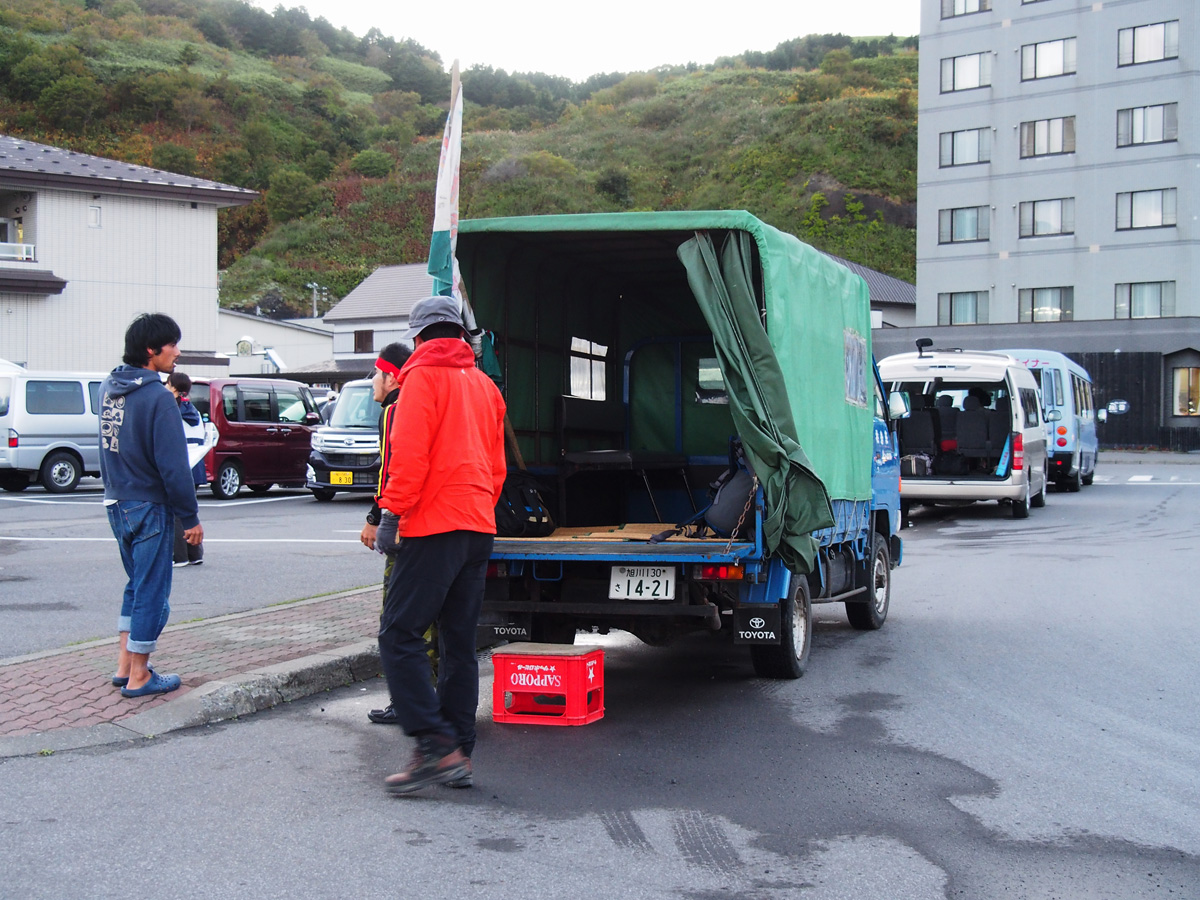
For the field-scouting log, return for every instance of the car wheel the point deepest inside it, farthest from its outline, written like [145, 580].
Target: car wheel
[258, 488]
[870, 616]
[228, 481]
[1020, 506]
[60, 472]
[1075, 482]
[789, 658]
[1039, 499]
[1090, 476]
[323, 494]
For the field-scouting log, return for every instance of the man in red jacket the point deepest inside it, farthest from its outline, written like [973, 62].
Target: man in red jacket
[446, 469]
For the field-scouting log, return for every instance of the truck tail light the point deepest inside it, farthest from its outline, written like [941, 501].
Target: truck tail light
[1018, 452]
[719, 572]
[1062, 442]
[14, 439]
[497, 570]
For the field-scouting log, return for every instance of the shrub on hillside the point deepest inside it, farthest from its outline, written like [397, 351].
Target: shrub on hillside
[372, 164]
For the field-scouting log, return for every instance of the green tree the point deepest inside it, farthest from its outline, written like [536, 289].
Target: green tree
[291, 195]
[318, 165]
[372, 164]
[234, 166]
[72, 102]
[174, 158]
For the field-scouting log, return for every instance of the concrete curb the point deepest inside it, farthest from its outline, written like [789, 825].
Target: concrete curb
[216, 701]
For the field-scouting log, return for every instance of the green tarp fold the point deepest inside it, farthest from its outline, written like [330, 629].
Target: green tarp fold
[797, 503]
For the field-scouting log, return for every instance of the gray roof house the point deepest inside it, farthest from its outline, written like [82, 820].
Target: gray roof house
[87, 243]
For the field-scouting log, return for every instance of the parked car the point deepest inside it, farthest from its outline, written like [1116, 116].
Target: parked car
[49, 428]
[971, 428]
[345, 453]
[265, 427]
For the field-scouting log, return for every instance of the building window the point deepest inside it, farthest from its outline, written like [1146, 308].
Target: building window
[1052, 304]
[970, 223]
[1146, 209]
[1145, 300]
[964, 148]
[587, 369]
[963, 308]
[952, 8]
[1046, 217]
[1148, 124]
[1186, 392]
[1047, 137]
[1148, 43]
[1048, 59]
[364, 342]
[962, 73]
[93, 217]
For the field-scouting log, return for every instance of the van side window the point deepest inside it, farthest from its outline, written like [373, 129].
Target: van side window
[1029, 403]
[54, 398]
[256, 402]
[291, 405]
[5, 393]
[229, 401]
[94, 396]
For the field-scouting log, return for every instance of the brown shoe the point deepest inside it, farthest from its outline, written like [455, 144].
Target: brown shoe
[465, 780]
[432, 763]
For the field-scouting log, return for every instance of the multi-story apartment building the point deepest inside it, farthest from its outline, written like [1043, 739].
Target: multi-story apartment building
[1058, 194]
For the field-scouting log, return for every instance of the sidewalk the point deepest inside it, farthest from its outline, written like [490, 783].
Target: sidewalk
[231, 666]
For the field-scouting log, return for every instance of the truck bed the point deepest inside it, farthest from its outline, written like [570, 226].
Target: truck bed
[622, 542]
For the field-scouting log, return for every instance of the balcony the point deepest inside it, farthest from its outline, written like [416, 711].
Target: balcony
[17, 252]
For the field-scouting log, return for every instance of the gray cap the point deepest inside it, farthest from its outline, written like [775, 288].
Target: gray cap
[431, 311]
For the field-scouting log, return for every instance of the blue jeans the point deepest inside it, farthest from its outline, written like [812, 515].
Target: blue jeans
[145, 533]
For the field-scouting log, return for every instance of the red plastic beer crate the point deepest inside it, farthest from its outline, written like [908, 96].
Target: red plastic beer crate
[548, 684]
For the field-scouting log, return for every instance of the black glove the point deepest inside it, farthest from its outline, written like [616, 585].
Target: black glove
[386, 539]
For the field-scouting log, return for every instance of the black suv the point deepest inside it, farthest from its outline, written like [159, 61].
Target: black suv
[345, 453]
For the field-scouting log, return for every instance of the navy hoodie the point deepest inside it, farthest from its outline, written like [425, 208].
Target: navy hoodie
[143, 455]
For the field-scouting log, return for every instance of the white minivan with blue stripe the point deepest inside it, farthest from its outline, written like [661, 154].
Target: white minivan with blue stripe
[1070, 413]
[49, 428]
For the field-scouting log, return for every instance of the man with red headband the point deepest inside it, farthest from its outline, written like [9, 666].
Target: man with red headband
[445, 472]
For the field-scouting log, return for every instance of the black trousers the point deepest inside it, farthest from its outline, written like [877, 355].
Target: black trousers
[436, 578]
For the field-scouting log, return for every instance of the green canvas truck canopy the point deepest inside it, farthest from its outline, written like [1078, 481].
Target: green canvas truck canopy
[790, 327]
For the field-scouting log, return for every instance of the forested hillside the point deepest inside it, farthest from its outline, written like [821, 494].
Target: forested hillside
[340, 133]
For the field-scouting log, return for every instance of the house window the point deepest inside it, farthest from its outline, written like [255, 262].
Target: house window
[1186, 392]
[1046, 137]
[1051, 304]
[93, 217]
[1148, 43]
[1148, 124]
[1145, 300]
[1045, 217]
[952, 8]
[1146, 209]
[964, 148]
[970, 223]
[1048, 59]
[963, 308]
[364, 342]
[587, 369]
[962, 73]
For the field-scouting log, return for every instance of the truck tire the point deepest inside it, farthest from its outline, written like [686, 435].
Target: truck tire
[1038, 501]
[870, 616]
[1075, 482]
[228, 481]
[60, 473]
[788, 658]
[13, 482]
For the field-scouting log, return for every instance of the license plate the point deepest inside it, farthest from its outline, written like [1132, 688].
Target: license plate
[642, 583]
[341, 478]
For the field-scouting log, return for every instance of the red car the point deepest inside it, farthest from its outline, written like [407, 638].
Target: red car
[265, 427]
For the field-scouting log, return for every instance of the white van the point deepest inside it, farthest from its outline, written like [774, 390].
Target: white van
[49, 428]
[970, 428]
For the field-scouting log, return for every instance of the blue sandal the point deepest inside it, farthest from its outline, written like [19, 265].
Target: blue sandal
[158, 684]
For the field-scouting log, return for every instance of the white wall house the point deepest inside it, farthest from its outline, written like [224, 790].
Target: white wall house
[259, 346]
[88, 243]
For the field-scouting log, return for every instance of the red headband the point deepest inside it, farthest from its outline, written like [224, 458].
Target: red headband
[384, 366]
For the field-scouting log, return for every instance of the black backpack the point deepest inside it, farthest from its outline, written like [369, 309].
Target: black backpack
[521, 511]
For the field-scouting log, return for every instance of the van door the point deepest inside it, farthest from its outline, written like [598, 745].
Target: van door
[292, 437]
[258, 435]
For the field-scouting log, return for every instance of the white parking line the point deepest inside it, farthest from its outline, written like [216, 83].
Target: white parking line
[1133, 479]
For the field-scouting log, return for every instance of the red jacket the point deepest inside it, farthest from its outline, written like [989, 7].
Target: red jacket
[446, 464]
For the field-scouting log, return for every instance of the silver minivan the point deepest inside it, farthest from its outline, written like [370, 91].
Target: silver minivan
[970, 428]
[49, 428]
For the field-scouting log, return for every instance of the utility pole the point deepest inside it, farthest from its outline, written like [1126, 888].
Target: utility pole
[315, 288]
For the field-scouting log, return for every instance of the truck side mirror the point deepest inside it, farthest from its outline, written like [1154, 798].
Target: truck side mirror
[1102, 416]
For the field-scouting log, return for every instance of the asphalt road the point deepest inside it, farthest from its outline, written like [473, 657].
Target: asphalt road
[61, 578]
[1023, 727]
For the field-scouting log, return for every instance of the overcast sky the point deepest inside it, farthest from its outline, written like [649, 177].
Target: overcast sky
[577, 40]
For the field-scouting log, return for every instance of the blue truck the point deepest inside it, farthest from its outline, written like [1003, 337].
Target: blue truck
[651, 363]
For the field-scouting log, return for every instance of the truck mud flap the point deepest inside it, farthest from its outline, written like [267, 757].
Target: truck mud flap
[757, 625]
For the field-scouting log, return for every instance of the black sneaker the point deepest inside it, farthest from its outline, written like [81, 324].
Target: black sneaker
[387, 716]
[465, 780]
[433, 762]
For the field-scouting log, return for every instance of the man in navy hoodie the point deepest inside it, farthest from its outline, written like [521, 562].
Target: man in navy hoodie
[147, 483]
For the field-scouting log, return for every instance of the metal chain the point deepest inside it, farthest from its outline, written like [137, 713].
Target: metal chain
[742, 518]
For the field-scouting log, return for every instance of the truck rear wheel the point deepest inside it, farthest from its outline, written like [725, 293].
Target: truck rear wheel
[61, 472]
[789, 657]
[870, 616]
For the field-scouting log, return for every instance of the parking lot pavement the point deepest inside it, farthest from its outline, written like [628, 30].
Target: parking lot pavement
[231, 665]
